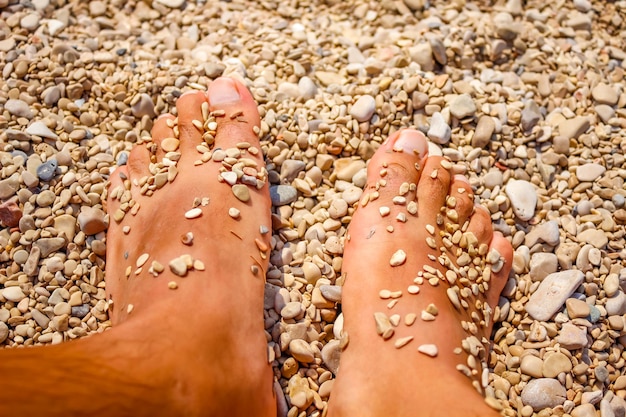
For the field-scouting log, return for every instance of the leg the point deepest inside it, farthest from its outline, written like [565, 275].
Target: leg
[413, 203]
[188, 336]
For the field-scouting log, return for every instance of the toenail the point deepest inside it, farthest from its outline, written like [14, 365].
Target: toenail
[165, 115]
[189, 93]
[410, 140]
[223, 90]
[462, 178]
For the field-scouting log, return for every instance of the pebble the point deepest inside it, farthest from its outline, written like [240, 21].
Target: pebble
[301, 351]
[523, 197]
[547, 232]
[241, 192]
[555, 363]
[531, 115]
[543, 393]
[573, 128]
[364, 108]
[484, 131]
[282, 195]
[589, 172]
[605, 94]
[577, 308]
[18, 108]
[172, 4]
[142, 105]
[39, 128]
[48, 245]
[10, 213]
[439, 131]
[572, 337]
[462, 106]
[428, 350]
[331, 353]
[14, 294]
[552, 293]
[398, 258]
[47, 170]
[91, 220]
[595, 237]
[4, 331]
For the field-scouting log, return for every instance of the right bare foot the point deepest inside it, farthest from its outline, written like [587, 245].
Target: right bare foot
[375, 377]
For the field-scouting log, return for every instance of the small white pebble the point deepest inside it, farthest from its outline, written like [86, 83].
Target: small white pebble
[384, 294]
[410, 318]
[428, 349]
[234, 213]
[193, 213]
[413, 289]
[129, 309]
[384, 211]
[398, 258]
[143, 258]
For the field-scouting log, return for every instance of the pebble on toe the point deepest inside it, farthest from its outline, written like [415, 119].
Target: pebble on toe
[398, 258]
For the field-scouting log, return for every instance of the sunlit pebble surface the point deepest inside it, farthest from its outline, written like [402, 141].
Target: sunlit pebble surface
[527, 99]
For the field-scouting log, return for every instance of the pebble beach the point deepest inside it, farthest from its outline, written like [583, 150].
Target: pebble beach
[526, 98]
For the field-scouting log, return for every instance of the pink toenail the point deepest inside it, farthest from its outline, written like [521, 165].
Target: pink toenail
[410, 140]
[462, 178]
[222, 91]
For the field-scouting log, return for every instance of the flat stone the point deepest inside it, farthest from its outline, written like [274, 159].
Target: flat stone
[595, 237]
[572, 337]
[605, 94]
[292, 310]
[66, 223]
[605, 112]
[462, 106]
[589, 172]
[531, 115]
[484, 130]
[47, 170]
[364, 108]
[531, 365]
[555, 363]
[552, 293]
[142, 104]
[49, 245]
[616, 305]
[584, 410]
[523, 197]
[9, 186]
[543, 393]
[283, 194]
[331, 292]
[327, 78]
[241, 192]
[347, 168]
[290, 169]
[14, 294]
[541, 265]
[439, 131]
[172, 4]
[30, 266]
[573, 128]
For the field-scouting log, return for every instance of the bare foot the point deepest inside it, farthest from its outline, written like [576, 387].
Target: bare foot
[193, 256]
[418, 250]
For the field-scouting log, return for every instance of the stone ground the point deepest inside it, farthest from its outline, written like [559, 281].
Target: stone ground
[527, 98]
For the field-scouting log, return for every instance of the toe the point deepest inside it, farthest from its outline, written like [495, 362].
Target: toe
[432, 190]
[480, 224]
[190, 123]
[163, 134]
[236, 114]
[500, 273]
[461, 199]
[138, 162]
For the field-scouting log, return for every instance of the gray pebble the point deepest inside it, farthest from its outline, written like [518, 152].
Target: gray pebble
[47, 170]
[283, 194]
[122, 158]
[80, 311]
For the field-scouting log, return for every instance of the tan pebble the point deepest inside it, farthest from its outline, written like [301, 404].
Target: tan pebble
[404, 188]
[428, 349]
[410, 318]
[170, 144]
[193, 213]
[389, 228]
[129, 270]
[384, 211]
[431, 229]
[445, 164]
[172, 285]
[413, 289]
[391, 304]
[241, 192]
[430, 241]
[178, 266]
[412, 207]
[394, 319]
[403, 341]
[433, 174]
[382, 323]
[198, 265]
[401, 217]
[396, 294]
[234, 213]
[432, 309]
[187, 259]
[398, 258]
[157, 267]
[130, 308]
[143, 258]
[384, 294]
